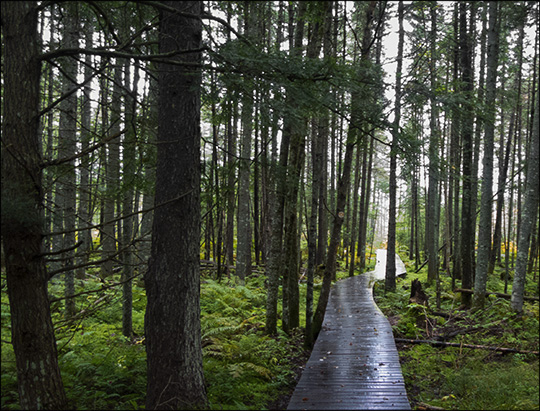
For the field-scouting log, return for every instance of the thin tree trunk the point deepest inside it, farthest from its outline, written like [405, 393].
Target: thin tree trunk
[455, 160]
[243, 251]
[65, 196]
[128, 191]
[112, 170]
[312, 225]
[484, 231]
[149, 171]
[432, 212]
[364, 210]
[390, 276]
[296, 128]
[330, 268]
[528, 218]
[354, 224]
[85, 192]
[231, 183]
[467, 217]
[277, 205]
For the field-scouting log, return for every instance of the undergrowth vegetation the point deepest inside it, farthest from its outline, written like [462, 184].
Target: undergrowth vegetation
[463, 378]
[102, 369]
[245, 369]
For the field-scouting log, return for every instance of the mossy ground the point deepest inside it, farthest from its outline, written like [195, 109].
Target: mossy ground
[245, 369]
[102, 369]
[463, 378]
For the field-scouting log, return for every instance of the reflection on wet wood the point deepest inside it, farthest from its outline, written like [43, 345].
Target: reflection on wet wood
[354, 363]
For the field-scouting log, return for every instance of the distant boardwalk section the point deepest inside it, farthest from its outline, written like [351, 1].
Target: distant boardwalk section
[354, 364]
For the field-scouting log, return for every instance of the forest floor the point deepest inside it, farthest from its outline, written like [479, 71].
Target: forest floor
[299, 360]
[245, 369]
[457, 378]
[462, 377]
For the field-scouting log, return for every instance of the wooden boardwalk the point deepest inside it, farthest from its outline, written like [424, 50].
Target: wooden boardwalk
[354, 364]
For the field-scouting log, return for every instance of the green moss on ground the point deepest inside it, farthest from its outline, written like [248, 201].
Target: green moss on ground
[462, 378]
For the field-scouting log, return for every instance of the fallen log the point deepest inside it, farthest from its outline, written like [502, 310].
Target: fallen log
[501, 295]
[479, 347]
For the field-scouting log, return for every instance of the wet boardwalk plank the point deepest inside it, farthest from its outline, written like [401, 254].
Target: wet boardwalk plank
[354, 363]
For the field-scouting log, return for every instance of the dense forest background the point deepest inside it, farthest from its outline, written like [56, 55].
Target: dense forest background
[154, 151]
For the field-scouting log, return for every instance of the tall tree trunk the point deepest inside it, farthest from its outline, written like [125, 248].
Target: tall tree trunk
[128, 193]
[364, 205]
[467, 217]
[256, 184]
[330, 267]
[275, 258]
[276, 210]
[354, 224]
[172, 321]
[244, 238]
[48, 175]
[528, 218]
[455, 160]
[432, 212]
[112, 171]
[32, 334]
[232, 136]
[65, 200]
[479, 121]
[214, 180]
[319, 133]
[342, 189]
[243, 251]
[85, 196]
[316, 145]
[484, 229]
[149, 171]
[390, 276]
[294, 128]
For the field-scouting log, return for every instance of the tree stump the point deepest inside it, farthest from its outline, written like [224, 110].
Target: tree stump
[418, 295]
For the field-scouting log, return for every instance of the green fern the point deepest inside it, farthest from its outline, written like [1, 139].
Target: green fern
[237, 370]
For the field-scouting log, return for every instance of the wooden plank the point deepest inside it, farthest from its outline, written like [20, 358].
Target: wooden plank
[354, 363]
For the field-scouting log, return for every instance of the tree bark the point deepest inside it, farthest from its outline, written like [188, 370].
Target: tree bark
[294, 124]
[367, 169]
[432, 212]
[276, 204]
[172, 320]
[85, 196]
[467, 217]
[128, 195]
[455, 160]
[354, 224]
[112, 175]
[32, 334]
[330, 268]
[484, 230]
[390, 276]
[65, 199]
[244, 238]
[149, 171]
[528, 216]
